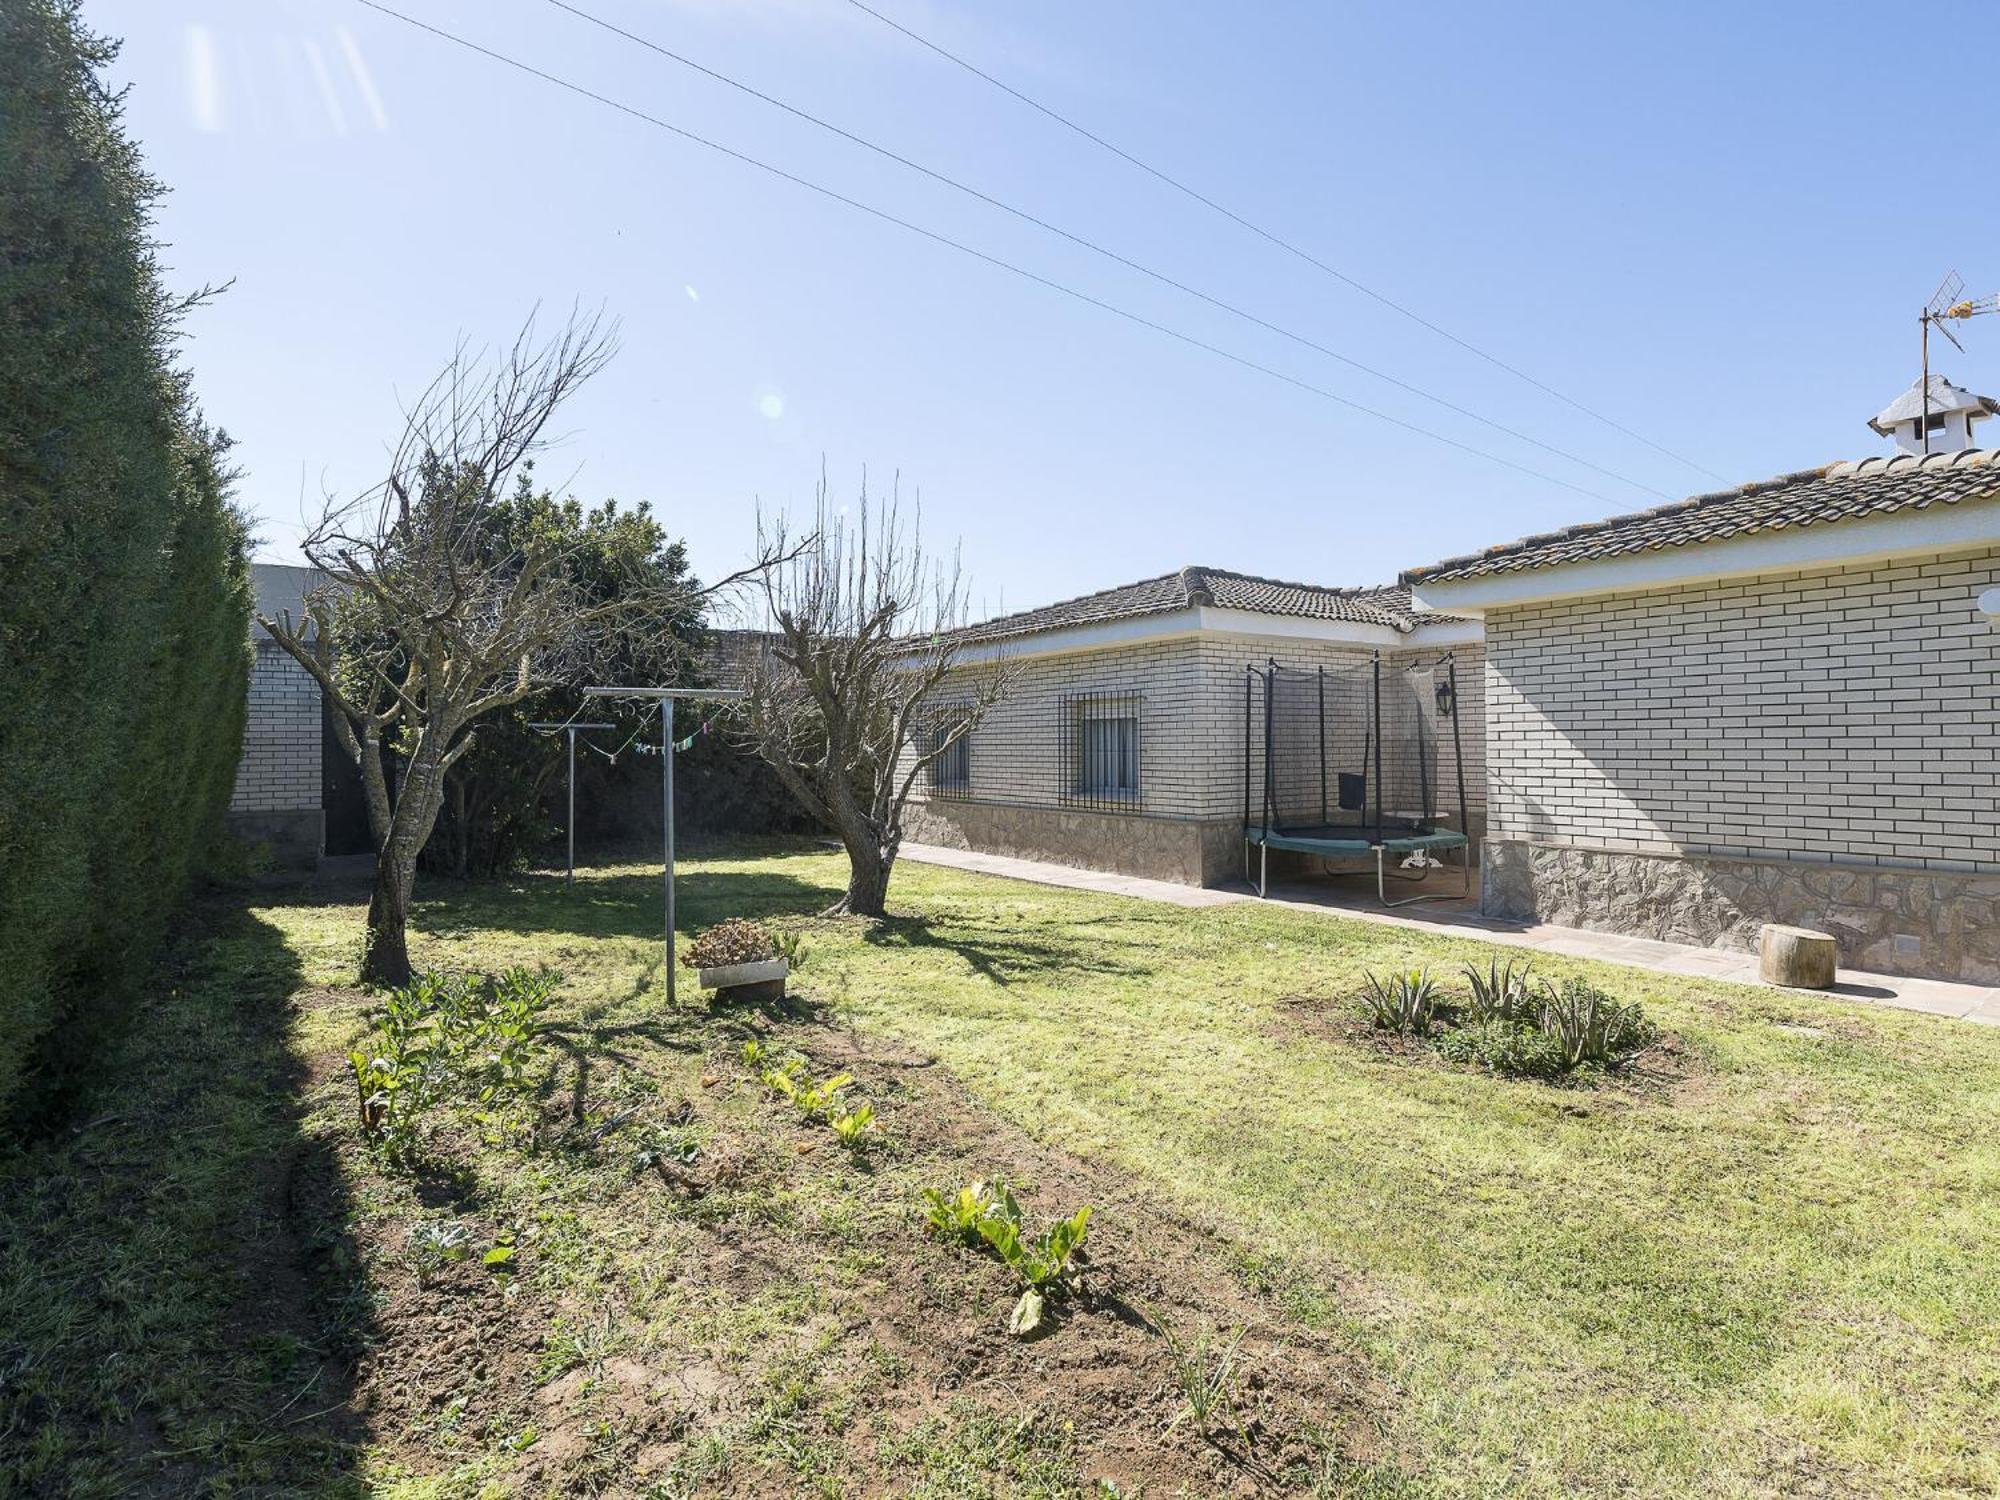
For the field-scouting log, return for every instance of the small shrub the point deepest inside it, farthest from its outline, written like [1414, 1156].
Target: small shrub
[1508, 1047]
[444, 1034]
[1406, 1002]
[793, 949]
[1589, 1027]
[736, 941]
[1501, 993]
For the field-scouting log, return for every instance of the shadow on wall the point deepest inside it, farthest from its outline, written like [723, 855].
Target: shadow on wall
[182, 1310]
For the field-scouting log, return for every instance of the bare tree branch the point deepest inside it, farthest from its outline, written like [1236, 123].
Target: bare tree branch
[865, 632]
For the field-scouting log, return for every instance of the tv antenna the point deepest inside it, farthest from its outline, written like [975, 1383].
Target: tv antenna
[1948, 305]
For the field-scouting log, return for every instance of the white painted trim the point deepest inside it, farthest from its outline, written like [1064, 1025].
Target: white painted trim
[1231, 624]
[1837, 544]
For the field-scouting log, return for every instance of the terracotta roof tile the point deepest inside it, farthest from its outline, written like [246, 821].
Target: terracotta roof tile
[1170, 593]
[1811, 497]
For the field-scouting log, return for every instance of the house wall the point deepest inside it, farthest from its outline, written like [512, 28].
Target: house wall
[1186, 823]
[1814, 748]
[276, 800]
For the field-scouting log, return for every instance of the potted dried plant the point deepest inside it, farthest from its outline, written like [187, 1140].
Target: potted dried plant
[739, 960]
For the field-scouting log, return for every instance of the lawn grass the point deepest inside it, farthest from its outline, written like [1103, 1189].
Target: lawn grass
[1764, 1269]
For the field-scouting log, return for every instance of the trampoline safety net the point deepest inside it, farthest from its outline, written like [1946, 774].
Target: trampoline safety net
[1368, 752]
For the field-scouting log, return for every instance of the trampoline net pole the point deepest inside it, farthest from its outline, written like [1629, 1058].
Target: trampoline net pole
[1376, 725]
[1321, 674]
[1458, 755]
[1248, 673]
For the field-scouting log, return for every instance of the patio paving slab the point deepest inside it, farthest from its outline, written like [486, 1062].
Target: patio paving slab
[1979, 1004]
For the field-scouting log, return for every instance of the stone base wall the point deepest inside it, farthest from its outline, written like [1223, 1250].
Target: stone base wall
[295, 839]
[1889, 920]
[1193, 853]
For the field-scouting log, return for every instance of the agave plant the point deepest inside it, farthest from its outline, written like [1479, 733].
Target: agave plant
[1502, 992]
[1588, 1025]
[1405, 1002]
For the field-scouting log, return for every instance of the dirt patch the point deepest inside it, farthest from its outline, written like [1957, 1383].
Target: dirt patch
[820, 1340]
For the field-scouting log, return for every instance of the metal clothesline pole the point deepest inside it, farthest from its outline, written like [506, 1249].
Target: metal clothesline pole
[667, 697]
[569, 824]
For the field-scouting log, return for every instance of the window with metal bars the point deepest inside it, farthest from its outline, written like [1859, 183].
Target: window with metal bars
[949, 774]
[1100, 742]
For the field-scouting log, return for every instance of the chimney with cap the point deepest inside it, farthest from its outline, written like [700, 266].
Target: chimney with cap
[1953, 410]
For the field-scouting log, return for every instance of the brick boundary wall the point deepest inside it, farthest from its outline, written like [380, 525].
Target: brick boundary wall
[276, 800]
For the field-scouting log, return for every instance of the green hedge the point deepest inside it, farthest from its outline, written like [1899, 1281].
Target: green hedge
[124, 593]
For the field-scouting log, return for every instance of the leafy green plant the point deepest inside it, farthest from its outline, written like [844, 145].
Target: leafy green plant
[793, 948]
[991, 1215]
[1205, 1371]
[1588, 1026]
[755, 1054]
[852, 1128]
[957, 1216]
[1501, 992]
[434, 1244]
[1406, 1002]
[813, 1101]
[1510, 1047]
[442, 1034]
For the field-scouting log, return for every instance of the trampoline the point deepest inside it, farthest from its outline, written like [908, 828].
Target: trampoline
[1344, 764]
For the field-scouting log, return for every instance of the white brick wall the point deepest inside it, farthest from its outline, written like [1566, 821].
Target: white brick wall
[1190, 693]
[1835, 715]
[280, 769]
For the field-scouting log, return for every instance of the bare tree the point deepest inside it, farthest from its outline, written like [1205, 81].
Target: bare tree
[863, 687]
[427, 615]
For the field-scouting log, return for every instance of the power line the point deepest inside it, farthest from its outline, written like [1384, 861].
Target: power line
[980, 255]
[1096, 249]
[1283, 244]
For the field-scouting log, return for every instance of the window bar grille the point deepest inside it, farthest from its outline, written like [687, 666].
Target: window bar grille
[948, 777]
[1100, 750]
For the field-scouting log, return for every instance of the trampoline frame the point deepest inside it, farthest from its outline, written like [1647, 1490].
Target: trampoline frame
[1263, 837]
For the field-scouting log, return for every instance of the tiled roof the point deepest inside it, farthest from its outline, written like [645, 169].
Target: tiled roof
[1191, 587]
[1811, 497]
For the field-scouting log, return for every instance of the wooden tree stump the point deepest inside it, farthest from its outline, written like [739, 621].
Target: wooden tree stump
[1797, 957]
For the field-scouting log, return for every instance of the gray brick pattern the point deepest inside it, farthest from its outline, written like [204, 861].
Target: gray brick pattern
[1839, 715]
[1190, 705]
[280, 768]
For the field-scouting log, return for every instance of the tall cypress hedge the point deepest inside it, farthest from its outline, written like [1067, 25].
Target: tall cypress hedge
[124, 591]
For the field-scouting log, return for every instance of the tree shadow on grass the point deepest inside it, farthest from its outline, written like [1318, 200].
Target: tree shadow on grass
[1007, 957]
[179, 1293]
[616, 905]
[586, 1044]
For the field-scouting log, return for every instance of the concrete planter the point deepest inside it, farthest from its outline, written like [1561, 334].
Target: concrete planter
[763, 979]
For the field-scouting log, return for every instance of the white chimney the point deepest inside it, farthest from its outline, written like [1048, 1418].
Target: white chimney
[1953, 410]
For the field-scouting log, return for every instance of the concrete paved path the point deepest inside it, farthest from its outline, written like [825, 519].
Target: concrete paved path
[1965, 1002]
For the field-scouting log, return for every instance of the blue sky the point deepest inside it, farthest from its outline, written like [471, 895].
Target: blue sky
[1713, 222]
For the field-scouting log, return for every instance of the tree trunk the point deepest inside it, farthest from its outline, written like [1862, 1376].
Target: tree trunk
[418, 799]
[387, 960]
[868, 866]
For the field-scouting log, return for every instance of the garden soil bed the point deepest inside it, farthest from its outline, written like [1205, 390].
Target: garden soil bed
[892, 1368]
